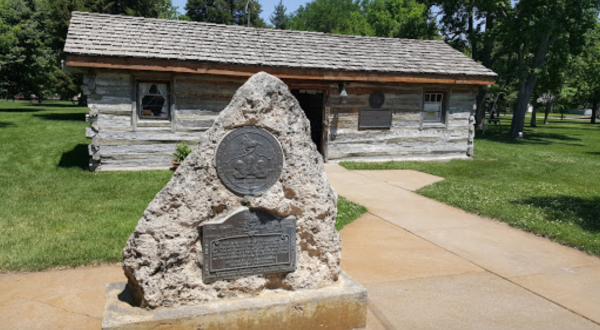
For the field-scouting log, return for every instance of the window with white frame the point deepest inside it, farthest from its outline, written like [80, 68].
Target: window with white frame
[153, 100]
[433, 107]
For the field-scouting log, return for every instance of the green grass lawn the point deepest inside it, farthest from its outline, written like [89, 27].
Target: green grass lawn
[53, 212]
[547, 183]
[557, 115]
[347, 212]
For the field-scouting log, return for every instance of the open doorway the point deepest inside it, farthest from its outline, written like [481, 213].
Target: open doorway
[312, 103]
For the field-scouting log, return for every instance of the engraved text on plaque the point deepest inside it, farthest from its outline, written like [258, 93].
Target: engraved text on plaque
[248, 242]
[375, 118]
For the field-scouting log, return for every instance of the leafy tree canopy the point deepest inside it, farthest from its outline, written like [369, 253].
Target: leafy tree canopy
[468, 25]
[382, 18]
[232, 12]
[146, 8]
[584, 73]
[279, 18]
[331, 16]
[532, 32]
[32, 37]
[400, 19]
[25, 62]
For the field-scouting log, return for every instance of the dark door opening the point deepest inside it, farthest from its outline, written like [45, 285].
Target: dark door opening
[312, 104]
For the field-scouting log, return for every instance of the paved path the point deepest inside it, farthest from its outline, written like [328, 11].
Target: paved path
[426, 266]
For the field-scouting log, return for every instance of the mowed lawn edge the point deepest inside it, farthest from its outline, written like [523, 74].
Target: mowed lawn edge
[547, 183]
[53, 211]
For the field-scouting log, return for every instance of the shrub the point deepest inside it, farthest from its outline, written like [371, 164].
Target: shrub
[181, 152]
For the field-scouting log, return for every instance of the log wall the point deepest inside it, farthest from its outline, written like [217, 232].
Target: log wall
[122, 141]
[408, 137]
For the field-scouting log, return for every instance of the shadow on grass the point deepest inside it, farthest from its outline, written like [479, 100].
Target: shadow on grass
[53, 105]
[595, 153]
[500, 134]
[574, 127]
[62, 116]
[584, 212]
[77, 157]
[4, 124]
[19, 110]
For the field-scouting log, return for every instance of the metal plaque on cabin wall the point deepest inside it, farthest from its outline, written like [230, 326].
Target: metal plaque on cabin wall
[376, 99]
[375, 118]
[249, 160]
[248, 242]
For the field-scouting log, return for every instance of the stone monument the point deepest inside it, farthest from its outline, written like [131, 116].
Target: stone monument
[243, 236]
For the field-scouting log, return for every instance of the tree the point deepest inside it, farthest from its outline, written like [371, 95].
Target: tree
[565, 100]
[550, 86]
[146, 8]
[213, 11]
[332, 16]
[231, 12]
[25, 62]
[584, 72]
[279, 18]
[382, 18]
[547, 100]
[469, 26]
[56, 18]
[400, 19]
[535, 28]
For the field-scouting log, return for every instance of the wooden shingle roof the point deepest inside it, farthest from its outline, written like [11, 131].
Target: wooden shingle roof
[101, 35]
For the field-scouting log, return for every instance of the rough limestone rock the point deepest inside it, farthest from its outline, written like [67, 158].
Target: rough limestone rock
[163, 257]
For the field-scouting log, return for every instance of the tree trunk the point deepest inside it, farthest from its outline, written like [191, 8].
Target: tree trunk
[547, 112]
[472, 35]
[488, 42]
[518, 120]
[533, 119]
[526, 87]
[594, 112]
[82, 102]
[480, 112]
[485, 56]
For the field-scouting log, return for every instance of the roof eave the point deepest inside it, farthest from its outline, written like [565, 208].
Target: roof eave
[237, 70]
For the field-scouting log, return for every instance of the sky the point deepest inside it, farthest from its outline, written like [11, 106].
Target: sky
[267, 5]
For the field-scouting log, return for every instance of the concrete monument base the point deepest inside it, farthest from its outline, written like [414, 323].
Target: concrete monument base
[341, 306]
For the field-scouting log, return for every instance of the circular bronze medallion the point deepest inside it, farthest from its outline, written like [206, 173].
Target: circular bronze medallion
[249, 160]
[376, 99]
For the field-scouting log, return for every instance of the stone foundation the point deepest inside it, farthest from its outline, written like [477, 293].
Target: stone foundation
[341, 306]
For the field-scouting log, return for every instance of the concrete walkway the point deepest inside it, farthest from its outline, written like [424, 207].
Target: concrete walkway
[426, 266]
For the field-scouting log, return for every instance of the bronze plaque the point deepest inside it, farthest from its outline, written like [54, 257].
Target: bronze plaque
[376, 99]
[248, 242]
[375, 118]
[249, 160]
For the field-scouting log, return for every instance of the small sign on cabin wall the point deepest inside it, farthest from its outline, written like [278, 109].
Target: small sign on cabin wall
[374, 118]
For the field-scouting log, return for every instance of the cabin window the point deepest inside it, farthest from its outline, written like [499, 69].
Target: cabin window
[153, 100]
[433, 108]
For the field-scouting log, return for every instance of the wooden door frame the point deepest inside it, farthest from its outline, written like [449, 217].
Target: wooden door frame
[324, 115]
[325, 126]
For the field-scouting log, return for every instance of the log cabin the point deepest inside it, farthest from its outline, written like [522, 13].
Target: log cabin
[152, 83]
